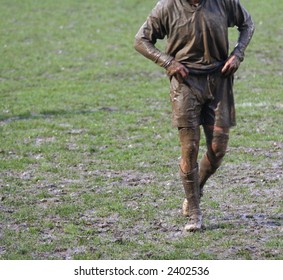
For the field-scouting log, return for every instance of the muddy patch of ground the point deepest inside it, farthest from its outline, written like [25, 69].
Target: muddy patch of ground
[242, 208]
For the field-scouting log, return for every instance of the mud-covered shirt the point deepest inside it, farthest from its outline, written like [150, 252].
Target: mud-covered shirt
[197, 36]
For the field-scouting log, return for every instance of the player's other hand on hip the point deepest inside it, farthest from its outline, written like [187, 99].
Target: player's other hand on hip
[231, 65]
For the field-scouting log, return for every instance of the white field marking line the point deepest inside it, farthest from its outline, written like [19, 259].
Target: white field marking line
[261, 104]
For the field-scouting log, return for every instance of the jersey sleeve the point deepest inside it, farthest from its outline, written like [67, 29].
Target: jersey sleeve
[240, 17]
[152, 30]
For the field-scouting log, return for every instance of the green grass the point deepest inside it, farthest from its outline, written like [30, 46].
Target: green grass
[88, 157]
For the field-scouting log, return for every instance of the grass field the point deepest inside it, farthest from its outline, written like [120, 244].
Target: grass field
[88, 157]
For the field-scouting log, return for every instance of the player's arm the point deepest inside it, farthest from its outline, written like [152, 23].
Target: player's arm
[238, 16]
[147, 36]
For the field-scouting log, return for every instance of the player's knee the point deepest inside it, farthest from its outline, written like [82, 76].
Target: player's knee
[218, 148]
[191, 147]
[189, 138]
[219, 152]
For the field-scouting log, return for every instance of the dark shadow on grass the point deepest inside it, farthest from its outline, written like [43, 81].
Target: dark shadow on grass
[53, 113]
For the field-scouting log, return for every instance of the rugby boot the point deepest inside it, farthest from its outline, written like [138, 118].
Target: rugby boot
[191, 187]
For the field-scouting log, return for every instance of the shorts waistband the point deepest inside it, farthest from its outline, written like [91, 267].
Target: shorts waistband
[217, 68]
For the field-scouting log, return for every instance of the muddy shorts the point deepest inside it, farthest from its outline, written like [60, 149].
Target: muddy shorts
[202, 100]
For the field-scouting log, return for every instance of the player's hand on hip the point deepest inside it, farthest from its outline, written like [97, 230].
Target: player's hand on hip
[231, 65]
[177, 68]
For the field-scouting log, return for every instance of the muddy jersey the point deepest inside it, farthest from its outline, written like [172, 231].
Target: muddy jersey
[197, 36]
